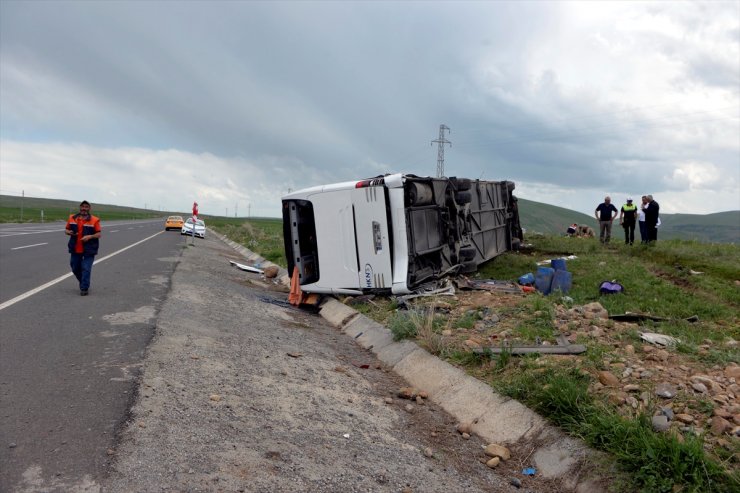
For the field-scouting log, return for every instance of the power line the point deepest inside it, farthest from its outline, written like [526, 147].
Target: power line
[441, 141]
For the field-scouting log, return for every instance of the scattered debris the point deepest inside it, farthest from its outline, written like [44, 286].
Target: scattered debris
[515, 350]
[491, 285]
[363, 366]
[294, 355]
[639, 317]
[563, 347]
[247, 268]
[529, 471]
[355, 300]
[659, 339]
[611, 287]
[436, 288]
[549, 261]
[274, 301]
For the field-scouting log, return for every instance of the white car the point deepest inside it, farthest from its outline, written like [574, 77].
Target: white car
[200, 228]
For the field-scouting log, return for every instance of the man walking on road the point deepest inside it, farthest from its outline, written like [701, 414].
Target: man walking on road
[605, 214]
[627, 218]
[652, 215]
[83, 230]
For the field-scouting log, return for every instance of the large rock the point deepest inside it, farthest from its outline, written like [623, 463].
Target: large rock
[733, 371]
[595, 310]
[666, 390]
[720, 425]
[271, 271]
[660, 423]
[495, 450]
[607, 378]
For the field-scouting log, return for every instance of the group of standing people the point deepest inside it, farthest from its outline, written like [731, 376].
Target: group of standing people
[647, 216]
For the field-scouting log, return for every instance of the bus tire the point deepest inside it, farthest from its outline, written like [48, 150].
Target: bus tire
[462, 198]
[462, 184]
[467, 253]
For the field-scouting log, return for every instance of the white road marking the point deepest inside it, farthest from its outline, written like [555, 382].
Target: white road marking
[114, 231]
[27, 294]
[21, 230]
[29, 246]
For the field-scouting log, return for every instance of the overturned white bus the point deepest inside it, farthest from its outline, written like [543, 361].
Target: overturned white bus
[395, 232]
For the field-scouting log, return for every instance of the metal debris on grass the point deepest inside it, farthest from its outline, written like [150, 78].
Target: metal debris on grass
[247, 268]
[659, 339]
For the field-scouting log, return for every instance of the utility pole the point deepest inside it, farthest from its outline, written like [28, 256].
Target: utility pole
[441, 141]
[249, 210]
[236, 207]
[23, 196]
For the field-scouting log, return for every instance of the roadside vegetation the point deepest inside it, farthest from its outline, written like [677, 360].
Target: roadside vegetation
[34, 210]
[261, 235]
[673, 280]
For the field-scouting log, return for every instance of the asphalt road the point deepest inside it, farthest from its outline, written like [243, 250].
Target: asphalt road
[68, 363]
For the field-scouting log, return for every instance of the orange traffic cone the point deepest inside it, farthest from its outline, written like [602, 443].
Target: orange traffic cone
[296, 295]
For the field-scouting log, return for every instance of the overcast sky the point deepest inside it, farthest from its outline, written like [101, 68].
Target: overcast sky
[234, 103]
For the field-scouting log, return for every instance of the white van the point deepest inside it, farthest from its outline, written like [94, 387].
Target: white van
[395, 232]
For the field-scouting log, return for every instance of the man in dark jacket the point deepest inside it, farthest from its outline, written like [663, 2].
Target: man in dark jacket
[83, 230]
[652, 213]
[605, 214]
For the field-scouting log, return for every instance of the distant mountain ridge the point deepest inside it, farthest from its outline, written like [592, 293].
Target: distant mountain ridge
[718, 227]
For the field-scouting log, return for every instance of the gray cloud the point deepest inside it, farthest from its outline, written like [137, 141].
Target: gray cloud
[551, 93]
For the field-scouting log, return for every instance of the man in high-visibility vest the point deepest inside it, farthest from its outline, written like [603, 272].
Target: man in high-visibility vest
[628, 218]
[83, 230]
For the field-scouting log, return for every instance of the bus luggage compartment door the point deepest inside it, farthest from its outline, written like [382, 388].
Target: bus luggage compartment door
[372, 237]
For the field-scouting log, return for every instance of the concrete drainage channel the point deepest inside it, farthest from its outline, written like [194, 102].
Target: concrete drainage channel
[496, 419]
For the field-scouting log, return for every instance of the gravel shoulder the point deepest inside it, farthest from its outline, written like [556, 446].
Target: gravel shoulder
[242, 394]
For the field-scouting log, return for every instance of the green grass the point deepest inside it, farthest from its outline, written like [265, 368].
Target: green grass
[655, 462]
[653, 283]
[260, 235]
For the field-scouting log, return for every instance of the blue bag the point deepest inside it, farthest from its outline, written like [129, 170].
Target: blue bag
[610, 287]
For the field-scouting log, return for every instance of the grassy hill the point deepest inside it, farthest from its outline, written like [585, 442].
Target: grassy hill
[58, 209]
[549, 219]
[720, 227]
